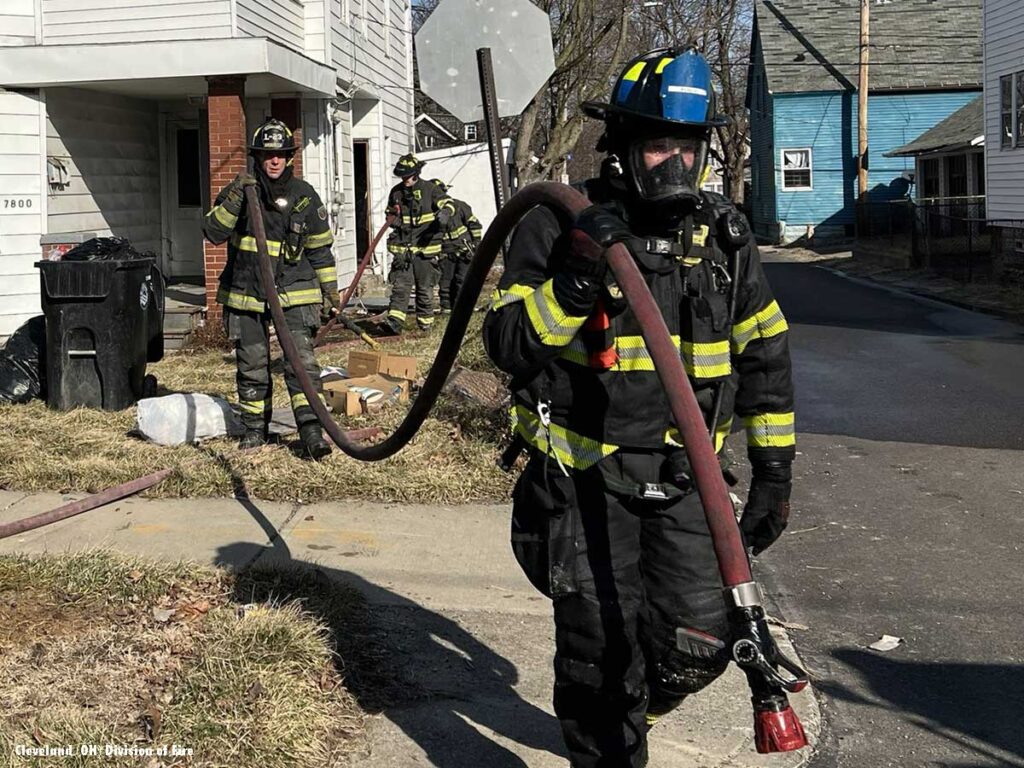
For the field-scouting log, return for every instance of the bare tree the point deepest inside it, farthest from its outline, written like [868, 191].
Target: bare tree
[591, 41]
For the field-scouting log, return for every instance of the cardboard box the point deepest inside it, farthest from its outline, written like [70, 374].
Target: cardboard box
[341, 399]
[368, 362]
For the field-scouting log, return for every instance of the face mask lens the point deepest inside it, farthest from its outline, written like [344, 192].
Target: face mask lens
[668, 167]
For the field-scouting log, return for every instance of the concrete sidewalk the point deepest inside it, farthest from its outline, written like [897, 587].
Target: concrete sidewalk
[462, 625]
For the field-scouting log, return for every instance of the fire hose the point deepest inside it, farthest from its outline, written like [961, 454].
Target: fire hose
[769, 673]
[321, 335]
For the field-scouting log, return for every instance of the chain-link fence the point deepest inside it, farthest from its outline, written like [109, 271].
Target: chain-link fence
[952, 238]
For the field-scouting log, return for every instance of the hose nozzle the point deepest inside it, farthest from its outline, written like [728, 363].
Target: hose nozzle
[777, 730]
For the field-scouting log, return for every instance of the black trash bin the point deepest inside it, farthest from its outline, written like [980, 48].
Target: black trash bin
[104, 322]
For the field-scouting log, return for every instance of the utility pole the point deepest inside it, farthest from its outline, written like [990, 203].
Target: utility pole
[862, 114]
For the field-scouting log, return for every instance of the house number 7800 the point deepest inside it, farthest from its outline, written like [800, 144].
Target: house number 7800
[17, 202]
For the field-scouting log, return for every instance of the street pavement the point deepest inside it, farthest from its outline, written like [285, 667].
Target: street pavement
[908, 494]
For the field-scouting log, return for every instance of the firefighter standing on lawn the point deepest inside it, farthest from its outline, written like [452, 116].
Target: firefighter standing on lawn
[458, 245]
[299, 242]
[423, 213]
[606, 520]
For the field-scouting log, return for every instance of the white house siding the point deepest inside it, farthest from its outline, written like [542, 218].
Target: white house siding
[130, 21]
[17, 22]
[280, 20]
[1004, 55]
[316, 14]
[383, 110]
[22, 206]
[111, 146]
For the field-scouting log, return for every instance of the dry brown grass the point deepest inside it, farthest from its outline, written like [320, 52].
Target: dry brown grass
[451, 460]
[86, 657]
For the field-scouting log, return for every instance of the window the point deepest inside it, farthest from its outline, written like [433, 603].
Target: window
[189, 184]
[796, 169]
[1019, 134]
[1006, 108]
[930, 178]
[470, 131]
[1011, 108]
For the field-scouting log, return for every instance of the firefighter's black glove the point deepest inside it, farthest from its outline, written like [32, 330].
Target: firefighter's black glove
[766, 514]
[235, 197]
[331, 299]
[578, 283]
[444, 217]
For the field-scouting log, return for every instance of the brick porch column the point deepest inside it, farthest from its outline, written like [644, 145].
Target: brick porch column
[289, 112]
[228, 141]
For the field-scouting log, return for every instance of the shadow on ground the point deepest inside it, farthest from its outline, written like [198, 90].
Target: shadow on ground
[395, 654]
[972, 705]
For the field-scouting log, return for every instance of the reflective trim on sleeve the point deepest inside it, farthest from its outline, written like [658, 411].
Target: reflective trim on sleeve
[554, 327]
[761, 325]
[224, 217]
[770, 430]
[319, 240]
[512, 294]
[327, 275]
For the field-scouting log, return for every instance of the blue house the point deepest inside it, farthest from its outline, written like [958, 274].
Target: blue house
[802, 95]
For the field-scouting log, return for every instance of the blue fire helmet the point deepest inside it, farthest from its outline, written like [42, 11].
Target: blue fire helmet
[663, 88]
[659, 123]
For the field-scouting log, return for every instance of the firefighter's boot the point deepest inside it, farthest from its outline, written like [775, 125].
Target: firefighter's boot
[312, 437]
[252, 439]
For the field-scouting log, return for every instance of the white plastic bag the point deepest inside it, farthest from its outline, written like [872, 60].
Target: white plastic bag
[185, 418]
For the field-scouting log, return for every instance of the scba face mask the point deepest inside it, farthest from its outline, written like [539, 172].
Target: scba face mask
[668, 168]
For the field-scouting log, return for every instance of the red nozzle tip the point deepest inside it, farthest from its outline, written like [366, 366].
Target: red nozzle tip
[778, 731]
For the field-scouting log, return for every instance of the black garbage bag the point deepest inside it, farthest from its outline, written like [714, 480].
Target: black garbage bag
[23, 363]
[105, 249]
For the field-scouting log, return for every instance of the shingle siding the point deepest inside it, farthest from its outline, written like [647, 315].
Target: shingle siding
[127, 21]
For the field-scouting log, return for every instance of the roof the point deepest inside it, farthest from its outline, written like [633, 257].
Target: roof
[813, 45]
[963, 129]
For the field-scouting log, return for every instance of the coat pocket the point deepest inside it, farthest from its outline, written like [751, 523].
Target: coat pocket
[545, 527]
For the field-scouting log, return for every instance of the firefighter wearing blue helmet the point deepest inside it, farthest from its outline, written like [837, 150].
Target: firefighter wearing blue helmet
[606, 521]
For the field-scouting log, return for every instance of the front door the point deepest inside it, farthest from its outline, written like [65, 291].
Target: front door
[184, 195]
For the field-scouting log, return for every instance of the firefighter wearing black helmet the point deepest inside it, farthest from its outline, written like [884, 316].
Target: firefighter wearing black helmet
[605, 518]
[299, 241]
[423, 212]
[458, 244]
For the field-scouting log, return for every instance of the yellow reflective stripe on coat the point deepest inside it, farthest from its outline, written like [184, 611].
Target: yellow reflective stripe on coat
[707, 360]
[319, 240]
[224, 217]
[770, 430]
[515, 292]
[415, 221]
[240, 301]
[456, 233]
[554, 327]
[572, 449]
[761, 325]
[418, 250]
[298, 298]
[255, 407]
[674, 438]
[327, 275]
[248, 243]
